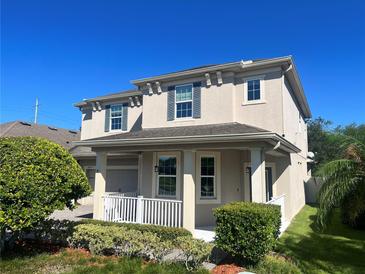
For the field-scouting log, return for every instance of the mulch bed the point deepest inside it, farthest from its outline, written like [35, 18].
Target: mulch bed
[227, 269]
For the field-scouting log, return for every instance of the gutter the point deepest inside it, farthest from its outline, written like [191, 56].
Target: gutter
[189, 140]
[239, 64]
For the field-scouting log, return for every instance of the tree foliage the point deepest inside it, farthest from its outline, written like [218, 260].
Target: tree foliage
[344, 184]
[36, 178]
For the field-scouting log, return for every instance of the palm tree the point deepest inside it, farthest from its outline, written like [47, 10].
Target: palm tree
[344, 185]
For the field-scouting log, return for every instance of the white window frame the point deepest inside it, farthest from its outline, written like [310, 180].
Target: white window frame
[185, 101]
[121, 117]
[261, 78]
[155, 176]
[217, 177]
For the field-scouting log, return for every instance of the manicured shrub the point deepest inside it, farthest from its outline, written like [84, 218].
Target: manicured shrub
[54, 231]
[194, 251]
[247, 231]
[163, 232]
[275, 264]
[36, 178]
[119, 241]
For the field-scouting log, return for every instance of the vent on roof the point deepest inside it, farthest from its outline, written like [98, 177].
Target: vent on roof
[25, 123]
[72, 131]
[52, 128]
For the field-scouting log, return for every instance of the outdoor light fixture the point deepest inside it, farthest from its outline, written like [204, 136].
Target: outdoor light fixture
[156, 168]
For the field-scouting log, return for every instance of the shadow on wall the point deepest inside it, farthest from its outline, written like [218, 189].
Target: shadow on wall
[138, 124]
[312, 187]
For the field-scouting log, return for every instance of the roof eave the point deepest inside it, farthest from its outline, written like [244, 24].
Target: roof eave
[300, 94]
[240, 64]
[108, 97]
[190, 140]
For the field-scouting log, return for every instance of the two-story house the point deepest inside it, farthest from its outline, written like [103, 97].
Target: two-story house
[193, 140]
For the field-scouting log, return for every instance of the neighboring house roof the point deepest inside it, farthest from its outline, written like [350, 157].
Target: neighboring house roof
[188, 134]
[61, 136]
[116, 95]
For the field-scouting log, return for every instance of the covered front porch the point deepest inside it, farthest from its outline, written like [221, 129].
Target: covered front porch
[180, 187]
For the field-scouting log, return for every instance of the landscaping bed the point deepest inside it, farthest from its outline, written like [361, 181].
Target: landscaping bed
[67, 260]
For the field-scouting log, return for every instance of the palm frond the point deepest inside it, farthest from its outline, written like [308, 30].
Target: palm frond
[340, 178]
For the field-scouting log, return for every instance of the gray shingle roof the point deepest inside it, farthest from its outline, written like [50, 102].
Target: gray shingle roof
[61, 136]
[185, 131]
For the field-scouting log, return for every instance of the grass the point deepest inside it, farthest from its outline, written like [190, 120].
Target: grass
[340, 249]
[77, 262]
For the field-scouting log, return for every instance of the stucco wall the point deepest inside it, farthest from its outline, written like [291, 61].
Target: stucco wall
[295, 128]
[216, 104]
[266, 115]
[92, 124]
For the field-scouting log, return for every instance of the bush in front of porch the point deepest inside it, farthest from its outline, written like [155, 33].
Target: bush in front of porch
[126, 242]
[247, 231]
[163, 232]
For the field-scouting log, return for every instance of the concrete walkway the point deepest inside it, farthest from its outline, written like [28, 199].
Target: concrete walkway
[79, 213]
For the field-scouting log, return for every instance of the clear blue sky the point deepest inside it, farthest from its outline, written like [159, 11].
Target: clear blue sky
[64, 51]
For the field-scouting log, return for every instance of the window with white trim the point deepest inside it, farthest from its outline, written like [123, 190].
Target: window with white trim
[184, 101]
[116, 117]
[253, 90]
[166, 179]
[207, 177]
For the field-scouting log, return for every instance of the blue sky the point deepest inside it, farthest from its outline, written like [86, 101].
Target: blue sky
[64, 51]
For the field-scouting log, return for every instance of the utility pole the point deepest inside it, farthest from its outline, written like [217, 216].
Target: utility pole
[36, 110]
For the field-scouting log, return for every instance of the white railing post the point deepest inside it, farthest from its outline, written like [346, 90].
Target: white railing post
[139, 210]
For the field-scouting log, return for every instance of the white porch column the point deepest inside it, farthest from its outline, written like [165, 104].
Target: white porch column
[258, 175]
[189, 191]
[100, 183]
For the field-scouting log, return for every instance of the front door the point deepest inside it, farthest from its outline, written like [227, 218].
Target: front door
[268, 182]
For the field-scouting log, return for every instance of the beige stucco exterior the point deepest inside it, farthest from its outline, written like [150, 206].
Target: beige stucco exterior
[93, 121]
[279, 111]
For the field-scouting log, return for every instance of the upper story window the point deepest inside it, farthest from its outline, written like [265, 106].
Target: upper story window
[184, 101]
[116, 117]
[253, 90]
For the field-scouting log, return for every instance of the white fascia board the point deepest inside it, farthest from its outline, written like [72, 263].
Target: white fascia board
[190, 140]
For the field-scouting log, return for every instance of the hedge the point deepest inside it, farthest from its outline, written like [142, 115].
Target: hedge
[163, 232]
[103, 239]
[247, 231]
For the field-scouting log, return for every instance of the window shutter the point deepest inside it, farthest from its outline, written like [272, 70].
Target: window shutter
[197, 100]
[107, 118]
[170, 103]
[125, 117]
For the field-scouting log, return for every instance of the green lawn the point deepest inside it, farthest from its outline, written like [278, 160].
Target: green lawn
[339, 250]
[74, 261]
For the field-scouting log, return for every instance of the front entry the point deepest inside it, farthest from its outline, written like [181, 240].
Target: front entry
[268, 181]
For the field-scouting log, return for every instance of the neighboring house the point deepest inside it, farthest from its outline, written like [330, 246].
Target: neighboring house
[196, 139]
[61, 136]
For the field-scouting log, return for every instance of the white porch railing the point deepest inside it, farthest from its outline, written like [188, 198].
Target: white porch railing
[119, 208]
[280, 201]
[122, 194]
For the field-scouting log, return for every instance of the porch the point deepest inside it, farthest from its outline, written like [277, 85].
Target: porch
[130, 208]
[170, 189]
